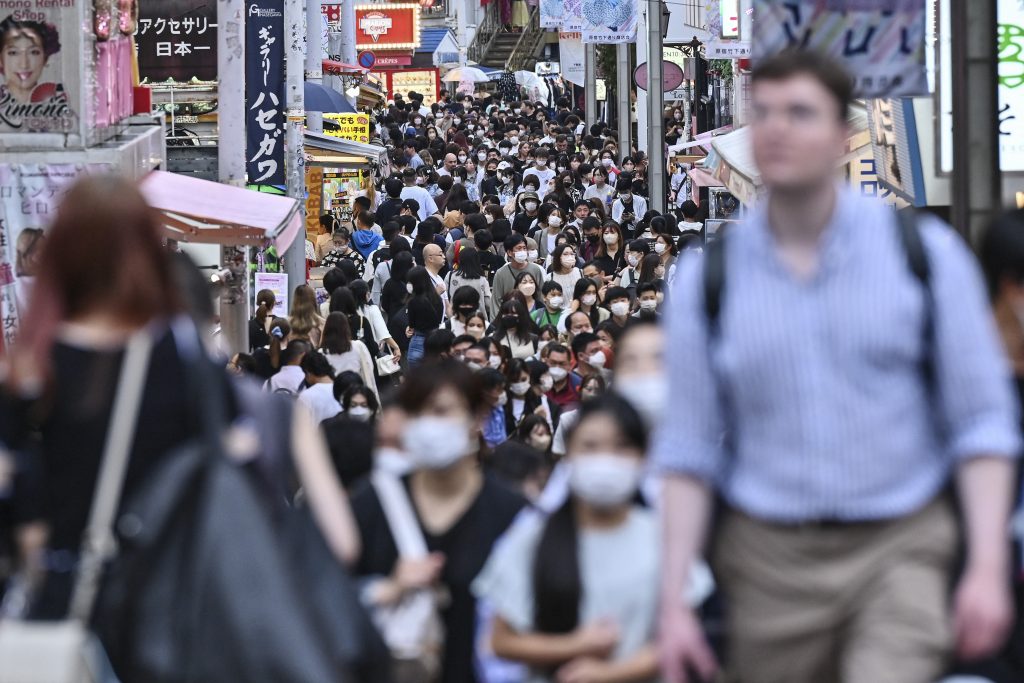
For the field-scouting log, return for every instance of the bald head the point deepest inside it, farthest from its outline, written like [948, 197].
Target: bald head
[450, 162]
[433, 258]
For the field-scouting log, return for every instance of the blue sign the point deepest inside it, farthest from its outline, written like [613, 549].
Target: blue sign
[264, 92]
[367, 59]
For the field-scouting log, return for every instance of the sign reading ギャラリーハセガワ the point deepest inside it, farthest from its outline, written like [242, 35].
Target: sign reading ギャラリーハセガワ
[264, 92]
[40, 67]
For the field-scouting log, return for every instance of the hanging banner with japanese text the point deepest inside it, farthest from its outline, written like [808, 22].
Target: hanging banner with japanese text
[570, 51]
[610, 21]
[881, 42]
[572, 16]
[177, 39]
[348, 126]
[29, 196]
[264, 92]
[551, 13]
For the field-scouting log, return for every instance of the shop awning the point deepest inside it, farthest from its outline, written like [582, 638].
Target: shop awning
[325, 150]
[731, 158]
[205, 212]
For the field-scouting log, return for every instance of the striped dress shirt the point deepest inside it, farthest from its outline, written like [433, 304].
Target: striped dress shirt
[818, 382]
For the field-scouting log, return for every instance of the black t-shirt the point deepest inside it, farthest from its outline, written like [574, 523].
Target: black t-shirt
[466, 545]
[388, 210]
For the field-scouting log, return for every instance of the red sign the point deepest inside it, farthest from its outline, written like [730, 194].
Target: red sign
[332, 12]
[392, 60]
[387, 27]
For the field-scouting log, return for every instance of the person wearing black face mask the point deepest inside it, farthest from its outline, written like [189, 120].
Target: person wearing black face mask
[491, 182]
[516, 330]
[469, 274]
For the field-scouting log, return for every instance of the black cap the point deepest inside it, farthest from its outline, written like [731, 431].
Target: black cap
[411, 204]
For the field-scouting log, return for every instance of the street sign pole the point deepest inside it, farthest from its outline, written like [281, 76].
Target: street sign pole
[655, 108]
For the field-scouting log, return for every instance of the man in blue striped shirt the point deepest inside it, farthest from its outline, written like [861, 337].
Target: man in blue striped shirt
[808, 409]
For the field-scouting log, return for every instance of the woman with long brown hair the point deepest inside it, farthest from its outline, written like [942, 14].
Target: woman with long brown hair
[104, 276]
[305, 320]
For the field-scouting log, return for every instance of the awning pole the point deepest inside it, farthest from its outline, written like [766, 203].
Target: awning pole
[234, 300]
[294, 258]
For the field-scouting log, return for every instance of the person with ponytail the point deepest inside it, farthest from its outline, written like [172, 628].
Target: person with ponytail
[575, 594]
[259, 326]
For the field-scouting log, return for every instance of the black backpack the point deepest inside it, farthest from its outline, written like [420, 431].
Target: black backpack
[917, 262]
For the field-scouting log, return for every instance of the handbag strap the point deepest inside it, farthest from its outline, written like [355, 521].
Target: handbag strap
[98, 542]
[401, 519]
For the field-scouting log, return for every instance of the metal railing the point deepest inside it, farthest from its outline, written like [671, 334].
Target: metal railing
[525, 50]
[485, 33]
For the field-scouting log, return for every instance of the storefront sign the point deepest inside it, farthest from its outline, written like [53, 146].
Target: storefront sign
[350, 127]
[387, 27]
[881, 42]
[276, 283]
[314, 199]
[177, 39]
[609, 22]
[332, 12]
[264, 92]
[423, 81]
[570, 50]
[392, 60]
[340, 190]
[29, 195]
[41, 68]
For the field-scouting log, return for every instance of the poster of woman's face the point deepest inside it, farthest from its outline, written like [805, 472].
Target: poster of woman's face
[29, 100]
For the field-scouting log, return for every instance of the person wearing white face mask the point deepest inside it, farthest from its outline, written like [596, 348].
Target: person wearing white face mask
[647, 303]
[574, 594]
[460, 511]
[549, 226]
[554, 305]
[563, 269]
[591, 358]
[524, 397]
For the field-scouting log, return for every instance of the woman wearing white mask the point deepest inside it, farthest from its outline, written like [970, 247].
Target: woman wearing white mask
[564, 269]
[525, 399]
[586, 299]
[460, 511]
[600, 189]
[551, 224]
[575, 593]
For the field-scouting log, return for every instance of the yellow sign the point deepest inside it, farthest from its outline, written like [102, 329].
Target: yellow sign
[349, 127]
[314, 200]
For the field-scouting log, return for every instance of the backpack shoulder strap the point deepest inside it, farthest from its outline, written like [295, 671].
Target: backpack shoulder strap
[913, 245]
[400, 516]
[714, 282]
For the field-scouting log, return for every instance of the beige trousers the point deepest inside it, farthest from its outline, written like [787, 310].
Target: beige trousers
[859, 603]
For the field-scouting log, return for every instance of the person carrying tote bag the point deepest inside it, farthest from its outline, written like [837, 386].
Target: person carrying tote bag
[68, 651]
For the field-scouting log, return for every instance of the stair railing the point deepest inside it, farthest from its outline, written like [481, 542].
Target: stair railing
[525, 50]
[485, 33]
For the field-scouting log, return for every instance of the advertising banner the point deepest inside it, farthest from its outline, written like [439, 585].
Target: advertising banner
[177, 39]
[881, 42]
[350, 127]
[387, 27]
[40, 67]
[29, 195]
[610, 21]
[264, 92]
[572, 16]
[570, 49]
[276, 283]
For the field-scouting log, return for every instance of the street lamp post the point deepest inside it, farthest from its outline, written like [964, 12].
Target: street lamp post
[623, 90]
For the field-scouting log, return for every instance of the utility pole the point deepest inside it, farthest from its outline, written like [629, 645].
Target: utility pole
[622, 89]
[977, 178]
[460, 17]
[314, 59]
[655, 108]
[590, 85]
[231, 143]
[294, 259]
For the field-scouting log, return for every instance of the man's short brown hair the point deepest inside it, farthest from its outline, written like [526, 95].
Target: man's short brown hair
[830, 73]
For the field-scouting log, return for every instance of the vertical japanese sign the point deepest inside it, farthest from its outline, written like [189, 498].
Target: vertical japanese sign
[177, 39]
[39, 66]
[1010, 44]
[29, 195]
[610, 21]
[881, 42]
[264, 92]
